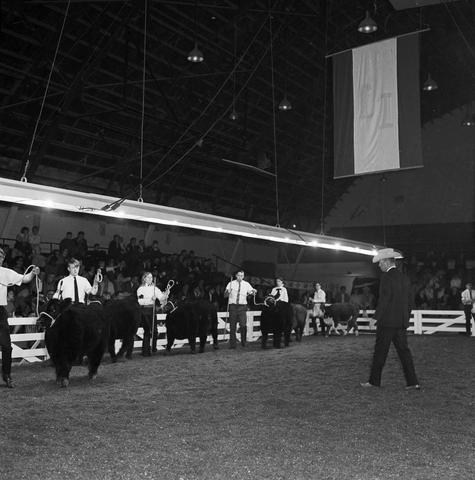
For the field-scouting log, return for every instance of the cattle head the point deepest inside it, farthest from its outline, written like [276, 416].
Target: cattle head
[50, 312]
[270, 301]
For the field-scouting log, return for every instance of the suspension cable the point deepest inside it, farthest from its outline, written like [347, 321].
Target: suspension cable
[276, 179]
[140, 199]
[27, 164]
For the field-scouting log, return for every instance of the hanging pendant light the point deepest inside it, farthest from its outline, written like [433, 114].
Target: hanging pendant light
[367, 25]
[430, 84]
[196, 55]
[233, 115]
[285, 104]
[469, 119]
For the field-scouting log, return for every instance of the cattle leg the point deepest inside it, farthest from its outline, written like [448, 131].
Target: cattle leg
[112, 350]
[192, 342]
[277, 339]
[170, 342]
[202, 343]
[264, 340]
[286, 338]
[95, 358]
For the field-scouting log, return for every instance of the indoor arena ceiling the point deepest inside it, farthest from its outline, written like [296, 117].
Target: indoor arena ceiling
[108, 125]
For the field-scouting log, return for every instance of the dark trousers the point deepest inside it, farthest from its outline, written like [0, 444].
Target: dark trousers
[384, 337]
[147, 324]
[237, 313]
[467, 309]
[5, 343]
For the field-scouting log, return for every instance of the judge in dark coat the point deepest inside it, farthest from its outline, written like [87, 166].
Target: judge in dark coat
[392, 315]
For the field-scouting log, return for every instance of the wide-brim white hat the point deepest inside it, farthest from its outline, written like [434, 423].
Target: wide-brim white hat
[386, 253]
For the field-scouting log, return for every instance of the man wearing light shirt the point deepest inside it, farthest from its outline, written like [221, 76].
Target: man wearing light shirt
[147, 295]
[237, 291]
[74, 286]
[468, 300]
[9, 278]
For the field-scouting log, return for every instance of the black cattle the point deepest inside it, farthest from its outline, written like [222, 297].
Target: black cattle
[299, 318]
[276, 318]
[72, 332]
[124, 319]
[343, 314]
[191, 319]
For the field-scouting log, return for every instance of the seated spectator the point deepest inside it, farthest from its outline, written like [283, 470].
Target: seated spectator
[80, 247]
[37, 258]
[34, 238]
[67, 243]
[114, 251]
[22, 242]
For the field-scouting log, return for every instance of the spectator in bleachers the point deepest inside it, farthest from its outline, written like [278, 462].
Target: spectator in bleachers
[80, 247]
[22, 241]
[34, 238]
[115, 249]
[67, 243]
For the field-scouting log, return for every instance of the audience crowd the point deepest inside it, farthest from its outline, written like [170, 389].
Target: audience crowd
[437, 280]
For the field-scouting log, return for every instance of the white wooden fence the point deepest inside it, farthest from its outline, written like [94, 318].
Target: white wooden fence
[28, 347]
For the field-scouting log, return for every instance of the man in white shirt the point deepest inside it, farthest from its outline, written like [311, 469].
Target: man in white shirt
[237, 291]
[319, 299]
[74, 286]
[9, 278]
[468, 300]
[147, 295]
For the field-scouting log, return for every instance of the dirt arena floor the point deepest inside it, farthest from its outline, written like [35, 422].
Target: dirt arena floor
[293, 413]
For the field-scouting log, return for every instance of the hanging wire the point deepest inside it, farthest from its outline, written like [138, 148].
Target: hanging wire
[207, 107]
[276, 178]
[140, 199]
[324, 126]
[27, 164]
[219, 118]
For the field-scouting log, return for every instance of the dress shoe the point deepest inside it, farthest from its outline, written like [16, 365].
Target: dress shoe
[413, 387]
[367, 385]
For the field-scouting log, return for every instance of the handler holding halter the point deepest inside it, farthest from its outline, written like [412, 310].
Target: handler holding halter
[9, 278]
[237, 292]
[147, 295]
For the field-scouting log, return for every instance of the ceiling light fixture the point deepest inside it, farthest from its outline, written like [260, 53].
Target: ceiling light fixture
[430, 84]
[367, 25]
[196, 55]
[285, 104]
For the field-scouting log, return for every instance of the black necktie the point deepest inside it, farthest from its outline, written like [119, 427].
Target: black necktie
[76, 293]
[239, 293]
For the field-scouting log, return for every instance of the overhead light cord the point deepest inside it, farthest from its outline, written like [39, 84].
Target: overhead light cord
[117, 203]
[276, 178]
[140, 199]
[324, 126]
[207, 107]
[27, 163]
[218, 119]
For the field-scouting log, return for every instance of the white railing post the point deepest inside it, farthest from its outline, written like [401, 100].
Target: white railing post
[417, 322]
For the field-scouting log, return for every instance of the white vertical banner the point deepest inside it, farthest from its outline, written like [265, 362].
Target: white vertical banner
[375, 96]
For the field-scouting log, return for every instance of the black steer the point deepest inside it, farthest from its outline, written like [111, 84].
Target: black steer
[191, 319]
[124, 319]
[276, 318]
[299, 319]
[343, 314]
[71, 332]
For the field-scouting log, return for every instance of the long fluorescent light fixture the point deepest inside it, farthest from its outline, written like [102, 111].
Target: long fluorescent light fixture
[24, 193]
